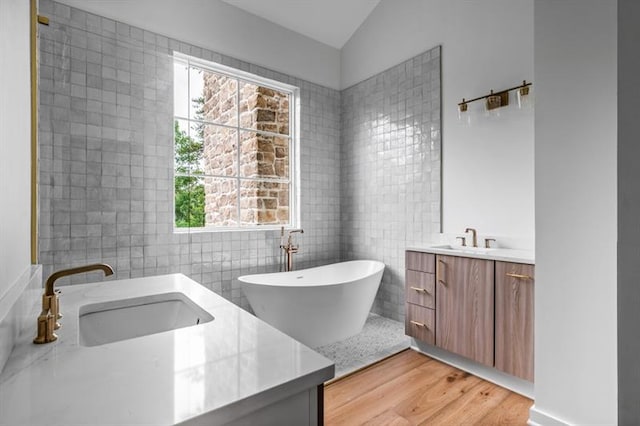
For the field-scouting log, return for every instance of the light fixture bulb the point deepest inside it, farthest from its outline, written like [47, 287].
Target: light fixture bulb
[464, 116]
[524, 98]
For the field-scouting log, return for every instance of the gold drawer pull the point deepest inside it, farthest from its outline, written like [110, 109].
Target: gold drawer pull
[524, 277]
[419, 324]
[419, 290]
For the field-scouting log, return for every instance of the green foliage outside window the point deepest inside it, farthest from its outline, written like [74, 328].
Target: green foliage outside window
[189, 187]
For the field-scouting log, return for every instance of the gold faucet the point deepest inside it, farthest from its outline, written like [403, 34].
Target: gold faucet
[50, 314]
[289, 248]
[474, 236]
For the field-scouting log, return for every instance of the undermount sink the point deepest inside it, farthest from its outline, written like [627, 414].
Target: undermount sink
[463, 249]
[117, 320]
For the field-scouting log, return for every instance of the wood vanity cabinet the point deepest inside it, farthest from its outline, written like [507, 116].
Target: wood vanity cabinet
[465, 307]
[420, 296]
[480, 309]
[514, 319]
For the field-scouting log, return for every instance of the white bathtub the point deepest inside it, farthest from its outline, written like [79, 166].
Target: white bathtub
[316, 306]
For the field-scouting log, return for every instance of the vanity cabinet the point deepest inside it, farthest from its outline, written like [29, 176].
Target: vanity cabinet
[465, 307]
[514, 319]
[420, 296]
[480, 309]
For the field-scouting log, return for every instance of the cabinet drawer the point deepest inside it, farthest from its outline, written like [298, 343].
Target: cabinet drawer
[420, 323]
[423, 262]
[420, 288]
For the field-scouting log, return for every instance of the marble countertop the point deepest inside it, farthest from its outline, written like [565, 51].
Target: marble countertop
[503, 254]
[210, 373]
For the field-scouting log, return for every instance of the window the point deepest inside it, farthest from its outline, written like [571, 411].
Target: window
[234, 147]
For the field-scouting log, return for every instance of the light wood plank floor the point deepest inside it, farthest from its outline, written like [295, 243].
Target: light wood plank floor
[413, 389]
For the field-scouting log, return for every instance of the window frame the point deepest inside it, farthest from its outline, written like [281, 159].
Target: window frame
[293, 136]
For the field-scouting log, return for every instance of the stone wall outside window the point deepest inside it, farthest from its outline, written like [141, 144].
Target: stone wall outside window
[262, 155]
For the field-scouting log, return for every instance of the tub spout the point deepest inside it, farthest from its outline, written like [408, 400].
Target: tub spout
[289, 248]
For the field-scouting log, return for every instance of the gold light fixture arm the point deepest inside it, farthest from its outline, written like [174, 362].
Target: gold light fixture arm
[503, 94]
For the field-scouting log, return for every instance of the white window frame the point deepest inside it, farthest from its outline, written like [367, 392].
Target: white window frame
[293, 136]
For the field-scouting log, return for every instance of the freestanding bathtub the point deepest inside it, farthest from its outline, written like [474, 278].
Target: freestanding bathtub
[316, 306]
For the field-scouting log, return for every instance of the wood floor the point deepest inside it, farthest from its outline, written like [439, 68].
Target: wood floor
[413, 389]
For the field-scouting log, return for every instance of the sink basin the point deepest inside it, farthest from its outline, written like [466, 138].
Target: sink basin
[124, 319]
[462, 249]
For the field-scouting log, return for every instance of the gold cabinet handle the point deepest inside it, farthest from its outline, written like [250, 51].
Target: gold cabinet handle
[419, 324]
[524, 277]
[439, 271]
[419, 290]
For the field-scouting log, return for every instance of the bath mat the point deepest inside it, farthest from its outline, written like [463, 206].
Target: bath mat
[379, 338]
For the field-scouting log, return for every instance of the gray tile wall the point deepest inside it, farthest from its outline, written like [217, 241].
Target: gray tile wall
[390, 173]
[106, 160]
[370, 176]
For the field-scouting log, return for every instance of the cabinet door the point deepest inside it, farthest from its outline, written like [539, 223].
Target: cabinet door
[464, 307]
[514, 319]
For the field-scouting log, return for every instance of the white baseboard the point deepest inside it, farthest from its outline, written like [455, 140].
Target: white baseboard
[539, 418]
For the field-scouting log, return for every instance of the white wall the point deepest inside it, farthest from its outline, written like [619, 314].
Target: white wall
[488, 176]
[15, 142]
[226, 29]
[576, 211]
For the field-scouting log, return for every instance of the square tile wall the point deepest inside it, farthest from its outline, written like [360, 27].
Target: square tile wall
[106, 160]
[370, 163]
[390, 170]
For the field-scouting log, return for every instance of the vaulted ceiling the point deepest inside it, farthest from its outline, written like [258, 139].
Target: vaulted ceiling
[331, 22]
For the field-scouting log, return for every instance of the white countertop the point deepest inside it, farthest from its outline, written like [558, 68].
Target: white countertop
[502, 254]
[210, 373]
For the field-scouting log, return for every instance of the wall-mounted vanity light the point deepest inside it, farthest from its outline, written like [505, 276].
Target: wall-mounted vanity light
[524, 99]
[498, 99]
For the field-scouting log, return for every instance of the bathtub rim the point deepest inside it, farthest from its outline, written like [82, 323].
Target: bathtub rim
[380, 267]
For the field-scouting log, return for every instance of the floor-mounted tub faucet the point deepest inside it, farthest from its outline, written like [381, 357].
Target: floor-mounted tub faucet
[50, 314]
[288, 247]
